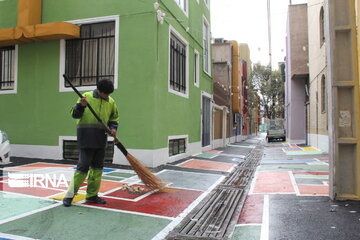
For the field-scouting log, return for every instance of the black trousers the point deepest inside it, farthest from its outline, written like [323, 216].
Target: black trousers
[91, 157]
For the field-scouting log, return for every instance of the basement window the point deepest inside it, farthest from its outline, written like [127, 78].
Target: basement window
[71, 151]
[177, 146]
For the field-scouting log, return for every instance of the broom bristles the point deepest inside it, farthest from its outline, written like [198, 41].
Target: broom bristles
[147, 177]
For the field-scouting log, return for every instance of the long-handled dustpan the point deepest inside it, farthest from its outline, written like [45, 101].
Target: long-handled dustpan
[147, 177]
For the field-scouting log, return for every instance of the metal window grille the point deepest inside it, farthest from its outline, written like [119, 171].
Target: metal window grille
[177, 65]
[196, 68]
[71, 151]
[91, 58]
[7, 68]
[177, 146]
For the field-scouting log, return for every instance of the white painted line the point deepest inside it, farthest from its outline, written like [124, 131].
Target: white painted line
[248, 224]
[184, 162]
[253, 182]
[9, 236]
[81, 204]
[29, 213]
[161, 235]
[265, 219]
[293, 182]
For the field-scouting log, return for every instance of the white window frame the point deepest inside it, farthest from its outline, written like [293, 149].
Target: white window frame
[186, 43]
[206, 22]
[207, 3]
[184, 8]
[115, 18]
[197, 68]
[13, 91]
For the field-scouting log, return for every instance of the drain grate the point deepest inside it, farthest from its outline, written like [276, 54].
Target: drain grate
[216, 215]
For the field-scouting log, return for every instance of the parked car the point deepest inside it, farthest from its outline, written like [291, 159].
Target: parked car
[4, 148]
[276, 130]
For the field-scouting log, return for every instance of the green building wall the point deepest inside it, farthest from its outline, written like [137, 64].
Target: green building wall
[39, 113]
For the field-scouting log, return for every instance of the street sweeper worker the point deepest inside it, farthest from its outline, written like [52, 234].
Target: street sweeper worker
[92, 140]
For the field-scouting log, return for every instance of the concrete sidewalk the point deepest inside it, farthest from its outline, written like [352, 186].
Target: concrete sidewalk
[37, 213]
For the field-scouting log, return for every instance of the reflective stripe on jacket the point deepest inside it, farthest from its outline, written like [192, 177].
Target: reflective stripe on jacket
[90, 132]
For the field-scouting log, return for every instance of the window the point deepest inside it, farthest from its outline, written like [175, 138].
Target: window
[7, 68]
[323, 94]
[177, 146]
[206, 46]
[322, 27]
[196, 69]
[183, 4]
[207, 2]
[91, 57]
[178, 80]
[71, 150]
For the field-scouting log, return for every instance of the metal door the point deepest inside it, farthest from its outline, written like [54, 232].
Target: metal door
[206, 120]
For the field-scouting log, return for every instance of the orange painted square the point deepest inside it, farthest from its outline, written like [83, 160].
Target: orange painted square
[107, 186]
[314, 189]
[273, 182]
[210, 165]
[214, 151]
[35, 166]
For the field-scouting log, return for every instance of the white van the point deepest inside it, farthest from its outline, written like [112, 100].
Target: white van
[276, 130]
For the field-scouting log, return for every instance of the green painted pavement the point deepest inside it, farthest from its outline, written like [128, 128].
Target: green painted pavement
[120, 174]
[248, 232]
[85, 223]
[12, 205]
[294, 167]
[112, 178]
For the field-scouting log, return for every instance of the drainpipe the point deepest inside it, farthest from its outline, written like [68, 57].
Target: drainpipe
[235, 77]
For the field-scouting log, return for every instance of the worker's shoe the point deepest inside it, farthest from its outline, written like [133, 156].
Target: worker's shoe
[96, 199]
[67, 202]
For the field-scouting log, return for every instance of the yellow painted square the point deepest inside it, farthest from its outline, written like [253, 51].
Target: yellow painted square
[78, 197]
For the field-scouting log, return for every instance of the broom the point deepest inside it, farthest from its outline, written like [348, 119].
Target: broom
[147, 177]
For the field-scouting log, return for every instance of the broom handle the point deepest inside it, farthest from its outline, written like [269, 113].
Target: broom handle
[107, 129]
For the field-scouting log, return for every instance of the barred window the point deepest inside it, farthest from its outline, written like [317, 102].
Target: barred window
[183, 5]
[71, 151]
[196, 69]
[177, 146]
[177, 64]
[7, 68]
[91, 58]
[206, 46]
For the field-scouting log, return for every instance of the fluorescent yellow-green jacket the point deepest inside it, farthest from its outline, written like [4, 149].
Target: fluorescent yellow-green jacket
[90, 132]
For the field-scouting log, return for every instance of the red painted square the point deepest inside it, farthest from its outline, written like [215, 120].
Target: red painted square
[32, 191]
[164, 204]
[214, 151]
[107, 186]
[273, 182]
[314, 189]
[210, 165]
[125, 194]
[252, 210]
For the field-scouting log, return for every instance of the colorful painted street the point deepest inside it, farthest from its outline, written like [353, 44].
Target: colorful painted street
[35, 211]
[289, 186]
